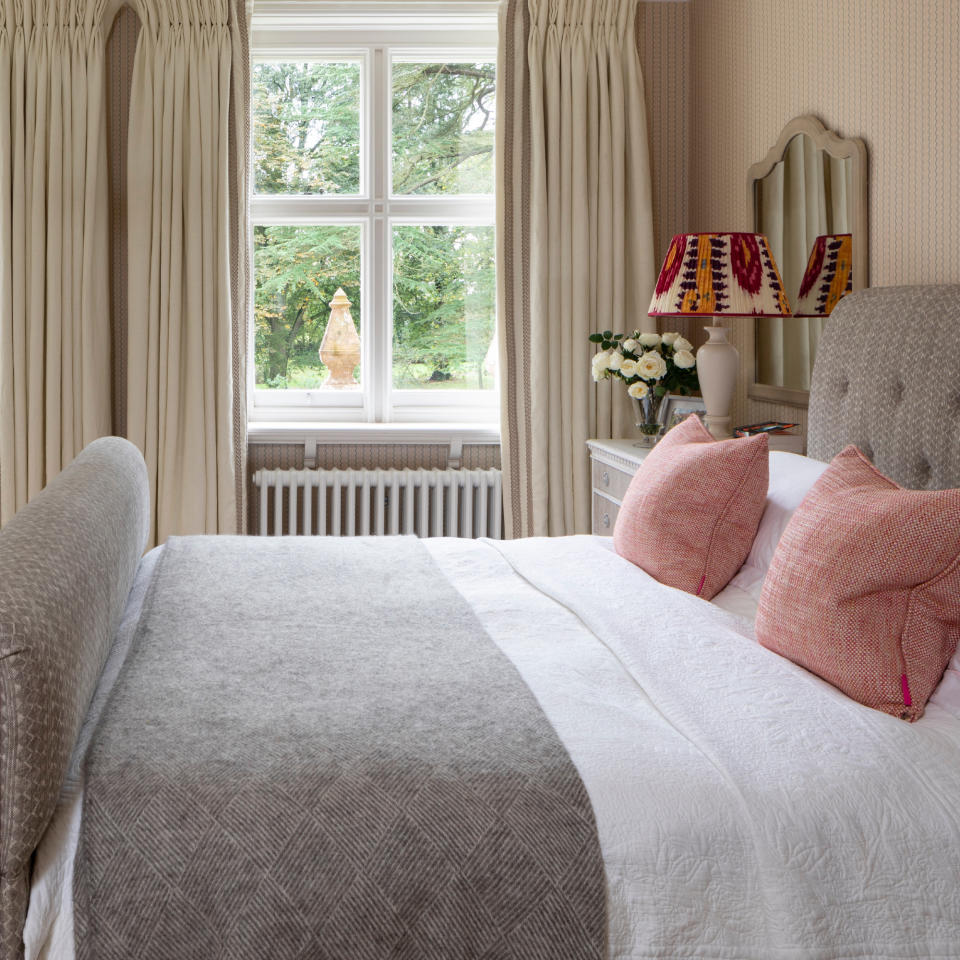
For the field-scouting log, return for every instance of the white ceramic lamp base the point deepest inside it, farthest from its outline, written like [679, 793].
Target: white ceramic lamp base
[717, 365]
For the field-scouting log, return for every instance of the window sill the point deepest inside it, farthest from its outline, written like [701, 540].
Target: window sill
[346, 433]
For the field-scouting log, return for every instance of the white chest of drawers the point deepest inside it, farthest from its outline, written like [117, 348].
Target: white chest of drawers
[612, 466]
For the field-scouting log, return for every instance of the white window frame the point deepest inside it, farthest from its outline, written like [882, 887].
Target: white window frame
[374, 33]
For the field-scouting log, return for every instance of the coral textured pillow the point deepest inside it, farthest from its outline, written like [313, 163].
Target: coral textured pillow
[864, 589]
[691, 511]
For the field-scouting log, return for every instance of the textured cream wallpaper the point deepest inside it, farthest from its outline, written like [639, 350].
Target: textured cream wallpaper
[887, 71]
[664, 44]
[121, 46]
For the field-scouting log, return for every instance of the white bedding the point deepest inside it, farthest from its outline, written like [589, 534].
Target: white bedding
[745, 809]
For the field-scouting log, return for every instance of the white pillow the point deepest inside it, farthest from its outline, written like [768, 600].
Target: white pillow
[791, 476]
[947, 692]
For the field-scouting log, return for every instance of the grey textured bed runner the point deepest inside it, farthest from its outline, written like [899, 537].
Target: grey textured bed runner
[315, 751]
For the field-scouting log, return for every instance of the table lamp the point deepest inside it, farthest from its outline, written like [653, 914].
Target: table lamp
[828, 277]
[719, 275]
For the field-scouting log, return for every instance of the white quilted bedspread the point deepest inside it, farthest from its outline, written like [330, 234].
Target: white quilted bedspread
[745, 808]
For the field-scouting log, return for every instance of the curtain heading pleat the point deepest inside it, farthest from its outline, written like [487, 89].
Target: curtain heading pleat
[587, 14]
[175, 15]
[79, 18]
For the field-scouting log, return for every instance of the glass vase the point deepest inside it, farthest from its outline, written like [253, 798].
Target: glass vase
[647, 416]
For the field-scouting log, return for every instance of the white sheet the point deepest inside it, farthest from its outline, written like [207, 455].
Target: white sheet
[744, 808]
[791, 477]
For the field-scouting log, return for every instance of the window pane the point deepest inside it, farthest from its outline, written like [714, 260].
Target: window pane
[298, 271]
[306, 127]
[443, 119]
[443, 308]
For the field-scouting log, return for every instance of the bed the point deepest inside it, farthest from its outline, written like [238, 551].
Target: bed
[465, 748]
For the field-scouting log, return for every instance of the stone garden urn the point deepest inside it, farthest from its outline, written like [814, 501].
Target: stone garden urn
[340, 347]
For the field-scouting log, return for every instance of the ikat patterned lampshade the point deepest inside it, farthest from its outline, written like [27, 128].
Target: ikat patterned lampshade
[829, 275]
[721, 275]
[715, 276]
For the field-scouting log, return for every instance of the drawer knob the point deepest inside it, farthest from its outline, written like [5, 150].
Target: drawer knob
[606, 519]
[605, 477]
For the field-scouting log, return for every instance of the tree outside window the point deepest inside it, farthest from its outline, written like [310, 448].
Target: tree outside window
[439, 281]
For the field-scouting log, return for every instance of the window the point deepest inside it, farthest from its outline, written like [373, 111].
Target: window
[373, 213]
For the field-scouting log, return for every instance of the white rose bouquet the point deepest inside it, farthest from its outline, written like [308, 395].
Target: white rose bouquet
[650, 365]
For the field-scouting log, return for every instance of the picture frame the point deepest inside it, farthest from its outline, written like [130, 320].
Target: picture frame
[675, 408]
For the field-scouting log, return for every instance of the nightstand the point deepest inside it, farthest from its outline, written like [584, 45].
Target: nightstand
[612, 466]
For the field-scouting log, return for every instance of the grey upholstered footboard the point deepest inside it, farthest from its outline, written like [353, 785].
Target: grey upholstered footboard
[67, 561]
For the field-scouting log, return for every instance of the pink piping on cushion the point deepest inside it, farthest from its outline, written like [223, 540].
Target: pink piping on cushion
[907, 702]
[703, 580]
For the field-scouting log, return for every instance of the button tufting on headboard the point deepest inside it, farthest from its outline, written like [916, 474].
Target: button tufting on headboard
[892, 403]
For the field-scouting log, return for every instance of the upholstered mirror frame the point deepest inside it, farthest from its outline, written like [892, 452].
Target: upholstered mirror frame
[850, 148]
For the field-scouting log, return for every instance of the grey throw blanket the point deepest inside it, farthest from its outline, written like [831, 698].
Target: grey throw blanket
[315, 751]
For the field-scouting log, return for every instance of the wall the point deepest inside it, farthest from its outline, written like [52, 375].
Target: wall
[121, 46]
[887, 71]
[664, 39]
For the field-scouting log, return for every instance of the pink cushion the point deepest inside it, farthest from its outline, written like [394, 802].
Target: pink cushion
[691, 511]
[863, 588]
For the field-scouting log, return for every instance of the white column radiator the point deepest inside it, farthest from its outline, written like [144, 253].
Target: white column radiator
[428, 503]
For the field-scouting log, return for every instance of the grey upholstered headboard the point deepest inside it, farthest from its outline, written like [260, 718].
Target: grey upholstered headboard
[887, 378]
[67, 561]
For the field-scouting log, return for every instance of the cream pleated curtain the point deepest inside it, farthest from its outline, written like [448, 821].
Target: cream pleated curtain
[575, 235]
[187, 163]
[802, 198]
[55, 362]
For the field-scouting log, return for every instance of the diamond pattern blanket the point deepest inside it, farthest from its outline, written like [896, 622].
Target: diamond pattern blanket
[315, 751]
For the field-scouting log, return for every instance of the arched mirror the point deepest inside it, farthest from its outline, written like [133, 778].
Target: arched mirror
[811, 183]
